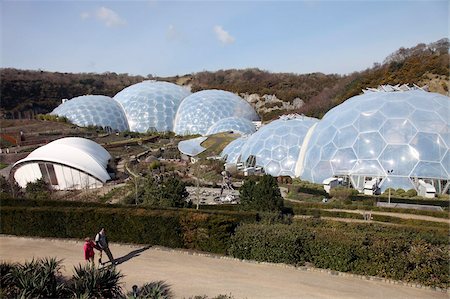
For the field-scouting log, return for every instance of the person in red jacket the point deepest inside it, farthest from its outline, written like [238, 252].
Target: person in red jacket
[89, 250]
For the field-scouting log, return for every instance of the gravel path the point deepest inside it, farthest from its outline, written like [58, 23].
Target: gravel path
[197, 274]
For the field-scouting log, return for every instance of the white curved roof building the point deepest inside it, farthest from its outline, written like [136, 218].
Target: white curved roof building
[67, 163]
[201, 110]
[151, 105]
[93, 110]
[397, 137]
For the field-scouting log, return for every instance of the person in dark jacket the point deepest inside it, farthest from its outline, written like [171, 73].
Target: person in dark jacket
[102, 242]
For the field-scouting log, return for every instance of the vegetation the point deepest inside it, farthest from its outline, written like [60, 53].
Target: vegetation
[159, 191]
[91, 282]
[263, 196]
[36, 279]
[415, 255]
[175, 228]
[26, 93]
[153, 290]
[38, 190]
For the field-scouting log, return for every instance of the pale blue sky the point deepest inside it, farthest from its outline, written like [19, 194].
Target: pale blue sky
[167, 38]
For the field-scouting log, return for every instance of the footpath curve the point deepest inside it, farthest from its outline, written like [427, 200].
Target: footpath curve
[192, 274]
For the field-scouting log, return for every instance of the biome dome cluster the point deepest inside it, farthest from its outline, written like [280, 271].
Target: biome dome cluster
[162, 107]
[397, 137]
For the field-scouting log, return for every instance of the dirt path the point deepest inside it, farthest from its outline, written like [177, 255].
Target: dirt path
[192, 275]
[398, 215]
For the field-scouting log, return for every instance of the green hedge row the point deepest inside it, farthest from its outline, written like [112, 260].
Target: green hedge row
[200, 230]
[390, 253]
[297, 207]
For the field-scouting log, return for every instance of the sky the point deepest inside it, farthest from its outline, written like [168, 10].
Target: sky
[167, 38]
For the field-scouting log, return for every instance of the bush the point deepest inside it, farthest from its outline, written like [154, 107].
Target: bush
[397, 253]
[201, 230]
[343, 193]
[91, 282]
[153, 290]
[38, 190]
[36, 279]
[262, 196]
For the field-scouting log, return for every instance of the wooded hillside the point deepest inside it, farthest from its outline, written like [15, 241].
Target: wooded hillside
[25, 93]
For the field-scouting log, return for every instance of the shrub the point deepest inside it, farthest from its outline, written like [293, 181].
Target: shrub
[91, 282]
[153, 290]
[38, 190]
[36, 279]
[408, 254]
[262, 196]
[343, 193]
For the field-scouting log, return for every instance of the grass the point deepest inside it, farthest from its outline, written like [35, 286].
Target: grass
[3, 165]
[216, 143]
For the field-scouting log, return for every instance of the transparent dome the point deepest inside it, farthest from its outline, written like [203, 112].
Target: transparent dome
[276, 146]
[93, 110]
[368, 135]
[236, 124]
[232, 151]
[199, 111]
[151, 105]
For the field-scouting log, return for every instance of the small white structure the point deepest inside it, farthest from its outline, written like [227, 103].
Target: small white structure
[67, 163]
[426, 190]
[331, 183]
[371, 187]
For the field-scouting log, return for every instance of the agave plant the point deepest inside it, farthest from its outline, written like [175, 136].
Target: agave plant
[36, 279]
[153, 290]
[91, 282]
[6, 282]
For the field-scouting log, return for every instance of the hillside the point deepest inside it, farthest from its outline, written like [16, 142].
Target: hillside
[25, 93]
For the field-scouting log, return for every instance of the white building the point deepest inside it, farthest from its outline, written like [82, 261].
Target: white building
[67, 163]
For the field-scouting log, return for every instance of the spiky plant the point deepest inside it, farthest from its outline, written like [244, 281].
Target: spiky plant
[91, 282]
[6, 282]
[153, 290]
[37, 279]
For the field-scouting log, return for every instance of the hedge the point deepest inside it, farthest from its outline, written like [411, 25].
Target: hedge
[400, 254]
[200, 230]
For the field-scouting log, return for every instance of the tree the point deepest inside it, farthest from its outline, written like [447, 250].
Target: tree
[174, 193]
[263, 196]
[9, 188]
[38, 190]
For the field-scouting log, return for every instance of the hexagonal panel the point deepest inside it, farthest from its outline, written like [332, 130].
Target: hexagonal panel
[345, 137]
[429, 170]
[430, 147]
[427, 121]
[343, 161]
[398, 131]
[368, 122]
[368, 168]
[400, 158]
[369, 145]
[398, 109]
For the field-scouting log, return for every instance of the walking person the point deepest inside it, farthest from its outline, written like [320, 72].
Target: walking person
[89, 250]
[102, 242]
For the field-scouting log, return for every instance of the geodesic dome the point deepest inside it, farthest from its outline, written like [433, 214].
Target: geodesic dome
[276, 146]
[93, 110]
[199, 111]
[232, 151]
[236, 124]
[406, 132]
[151, 105]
